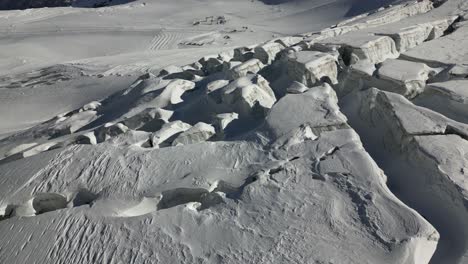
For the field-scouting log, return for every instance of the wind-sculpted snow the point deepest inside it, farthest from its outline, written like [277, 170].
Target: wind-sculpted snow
[296, 150]
[223, 190]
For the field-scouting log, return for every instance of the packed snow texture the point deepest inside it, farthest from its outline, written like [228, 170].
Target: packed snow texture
[344, 144]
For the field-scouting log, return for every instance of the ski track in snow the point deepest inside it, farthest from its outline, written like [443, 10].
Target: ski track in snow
[165, 40]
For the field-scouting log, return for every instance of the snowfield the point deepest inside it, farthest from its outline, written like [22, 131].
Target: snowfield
[193, 131]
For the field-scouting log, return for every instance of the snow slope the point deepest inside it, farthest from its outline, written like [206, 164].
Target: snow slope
[320, 144]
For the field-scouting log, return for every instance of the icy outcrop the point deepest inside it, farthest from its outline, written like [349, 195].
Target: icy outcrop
[226, 55]
[195, 67]
[440, 27]
[87, 138]
[29, 150]
[267, 52]
[289, 41]
[198, 133]
[297, 88]
[20, 148]
[211, 64]
[70, 124]
[408, 38]
[241, 70]
[371, 48]
[149, 93]
[407, 120]
[243, 54]
[458, 72]
[168, 131]
[92, 106]
[228, 66]
[324, 113]
[413, 36]
[223, 120]
[248, 95]
[189, 72]
[448, 98]
[171, 69]
[449, 50]
[109, 130]
[311, 67]
[147, 107]
[404, 77]
[172, 93]
[150, 119]
[132, 138]
[215, 85]
[358, 76]
[398, 76]
[399, 12]
[188, 75]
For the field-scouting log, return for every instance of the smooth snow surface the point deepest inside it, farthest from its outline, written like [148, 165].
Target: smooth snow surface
[273, 131]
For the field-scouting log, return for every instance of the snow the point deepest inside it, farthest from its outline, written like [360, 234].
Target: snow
[241, 70]
[449, 98]
[225, 131]
[309, 67]
[406, 77]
